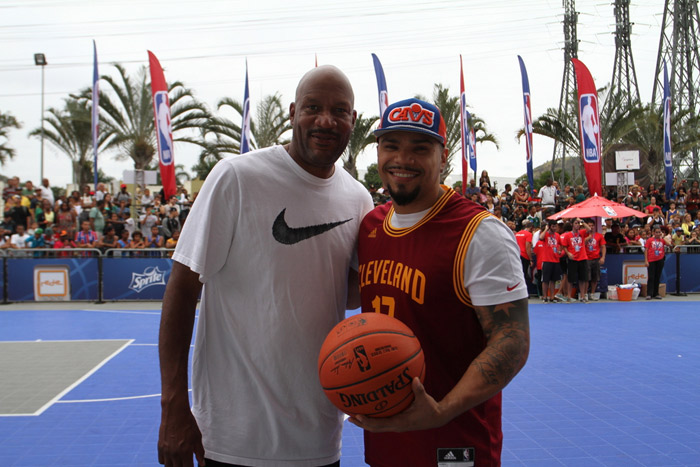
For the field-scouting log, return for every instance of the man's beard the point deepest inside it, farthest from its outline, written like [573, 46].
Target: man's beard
[403, 198]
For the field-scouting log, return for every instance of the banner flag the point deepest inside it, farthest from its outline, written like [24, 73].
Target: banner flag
[245, 126]
[589, 126]
[668, 160]
[381, 86]
[467, 133]
[164, 133]
[527, 110]
[95, 110]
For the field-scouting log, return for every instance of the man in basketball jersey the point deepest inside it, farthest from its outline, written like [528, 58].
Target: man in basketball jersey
[450, 271]
[272, 237]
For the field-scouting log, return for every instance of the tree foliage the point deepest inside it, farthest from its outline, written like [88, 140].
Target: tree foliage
[7, 122]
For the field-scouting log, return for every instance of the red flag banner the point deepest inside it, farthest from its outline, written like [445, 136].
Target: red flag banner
[164, 134]
[589, 127]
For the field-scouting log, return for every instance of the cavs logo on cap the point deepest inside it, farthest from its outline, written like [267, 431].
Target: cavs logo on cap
[414, 113]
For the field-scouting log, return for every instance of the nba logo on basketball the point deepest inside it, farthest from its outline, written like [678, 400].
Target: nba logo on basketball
[590, 127]
[361, 357]
[165, 137]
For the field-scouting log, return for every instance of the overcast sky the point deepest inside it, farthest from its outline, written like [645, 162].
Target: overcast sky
[205, 44]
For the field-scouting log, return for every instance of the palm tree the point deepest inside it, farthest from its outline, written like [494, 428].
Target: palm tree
[128, 117]
[450, 109]
[268, 127]
[360, 138]
[70, 131]
[7, 121]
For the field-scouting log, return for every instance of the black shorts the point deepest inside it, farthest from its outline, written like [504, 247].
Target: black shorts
[551, 272]
[563, 263]
[594, 269]
[578, 271]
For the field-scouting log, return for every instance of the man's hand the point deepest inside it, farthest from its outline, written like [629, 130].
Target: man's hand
[179, 437]
[424, 413]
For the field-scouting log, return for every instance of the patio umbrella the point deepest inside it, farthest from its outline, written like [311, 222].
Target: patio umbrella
[597, 206]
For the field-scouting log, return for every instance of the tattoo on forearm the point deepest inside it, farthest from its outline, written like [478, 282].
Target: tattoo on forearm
[507, 331]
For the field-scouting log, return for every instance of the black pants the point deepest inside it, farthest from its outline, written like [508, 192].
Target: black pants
[654, 277]
[211, 463]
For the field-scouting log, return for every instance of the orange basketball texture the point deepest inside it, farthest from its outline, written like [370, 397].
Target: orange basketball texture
[367, 363]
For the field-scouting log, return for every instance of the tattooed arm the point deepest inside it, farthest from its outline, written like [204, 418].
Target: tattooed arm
[507, 330]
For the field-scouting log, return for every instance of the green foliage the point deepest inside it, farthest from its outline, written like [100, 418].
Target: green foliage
[7, 122]
[372, 179]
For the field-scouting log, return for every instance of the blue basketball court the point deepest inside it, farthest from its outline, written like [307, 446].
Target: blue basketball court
[607, 384]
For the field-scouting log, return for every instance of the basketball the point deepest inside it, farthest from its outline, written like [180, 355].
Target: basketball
[367, 363]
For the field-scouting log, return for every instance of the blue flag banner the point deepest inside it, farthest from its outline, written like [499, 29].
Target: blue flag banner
[468, 148]
[245, 126]
[95, 109]
[527, 111]
[381, 86]
[668, 158]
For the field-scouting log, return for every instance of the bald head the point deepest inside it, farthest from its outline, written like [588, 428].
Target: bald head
[324, 73]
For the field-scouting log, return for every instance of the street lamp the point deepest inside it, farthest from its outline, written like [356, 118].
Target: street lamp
[40, 60]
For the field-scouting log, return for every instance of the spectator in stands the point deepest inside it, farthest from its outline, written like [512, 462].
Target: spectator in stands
[4, 238]
[108, 240]
[45, 215]
[100, 191]
[614, 240]
[19, 239]
[155, 240]
[693, 240]
[534, 216]
[579, 195]
[692, 201]
[146, 199]
[472, 189]
[12, 188]
[183, 199]
[97, 217]
[172, 241]
[680, 201]
[634, 198]
[116, 222]
[485, 179]
[8, 224]
[671, 211]
[37, 240]
[148, 220]
[656, 218]
[86, 237]
[137, 241]
[677, 235]
[129, 223]
[520, 198]
[123, 195]
[654, 258]
[20, 214]
[595, 249]
[109, 206]
[87, 197]
[688, 224]
[67, 218]
[124, 241]
[171, 223]
[652, 206]
[632, 236]
[46, 192]
[548, 194]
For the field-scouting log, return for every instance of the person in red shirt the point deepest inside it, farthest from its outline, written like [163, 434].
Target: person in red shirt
[550, 253]
[524, 239]
[654, 258]
[596, 256]
[577, 267]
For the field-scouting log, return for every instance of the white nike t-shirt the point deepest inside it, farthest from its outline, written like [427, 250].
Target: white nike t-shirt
[273, 246]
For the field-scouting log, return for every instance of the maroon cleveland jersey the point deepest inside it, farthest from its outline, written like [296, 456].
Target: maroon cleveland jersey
[416, 275]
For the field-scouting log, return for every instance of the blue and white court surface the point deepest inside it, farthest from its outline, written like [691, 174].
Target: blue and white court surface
[606, 384]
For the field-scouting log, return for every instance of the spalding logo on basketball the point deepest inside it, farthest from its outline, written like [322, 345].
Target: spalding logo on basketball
[367, 363]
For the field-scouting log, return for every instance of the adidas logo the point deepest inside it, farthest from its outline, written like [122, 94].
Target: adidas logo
[372, 234]
[450, 456]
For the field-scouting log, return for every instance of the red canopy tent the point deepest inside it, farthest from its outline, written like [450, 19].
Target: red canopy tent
[597, 206]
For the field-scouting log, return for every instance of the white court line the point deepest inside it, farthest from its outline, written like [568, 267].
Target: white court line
[111, 399]
[124, 312]
[83, 378]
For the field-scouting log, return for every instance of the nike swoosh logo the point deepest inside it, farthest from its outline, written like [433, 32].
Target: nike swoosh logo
[510, 289]
[287, 235]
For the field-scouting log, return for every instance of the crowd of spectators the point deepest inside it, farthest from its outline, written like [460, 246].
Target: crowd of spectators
[89, 219]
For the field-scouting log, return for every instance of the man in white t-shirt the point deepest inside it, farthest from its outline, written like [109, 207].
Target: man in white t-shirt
[548, 195]
[271, 237]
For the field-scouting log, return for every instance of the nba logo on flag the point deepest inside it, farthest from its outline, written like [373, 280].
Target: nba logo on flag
[528, 127]
[590, 127]
[465, 127]
[384, 100]
[165, 137]
[667, 132]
